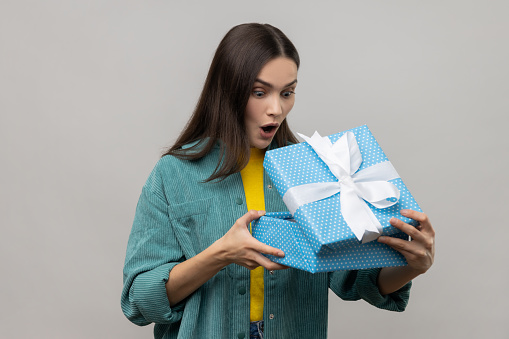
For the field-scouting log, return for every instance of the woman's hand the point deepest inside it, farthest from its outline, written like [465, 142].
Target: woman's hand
[238, 246]
[419, 252]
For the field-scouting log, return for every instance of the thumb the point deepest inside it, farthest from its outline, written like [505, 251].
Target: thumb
[250, 216]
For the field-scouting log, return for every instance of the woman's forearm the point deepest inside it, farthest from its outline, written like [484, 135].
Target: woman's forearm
[188, 276]
[391, 279]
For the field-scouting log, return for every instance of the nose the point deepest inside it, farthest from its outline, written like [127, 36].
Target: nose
[275, 106]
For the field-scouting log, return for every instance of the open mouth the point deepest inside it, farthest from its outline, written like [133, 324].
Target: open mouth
[268, 129]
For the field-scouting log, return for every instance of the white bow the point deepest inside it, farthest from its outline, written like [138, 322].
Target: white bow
[370, 184]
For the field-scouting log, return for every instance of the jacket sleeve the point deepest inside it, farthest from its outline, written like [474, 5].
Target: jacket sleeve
[362, 284]
[152, 252]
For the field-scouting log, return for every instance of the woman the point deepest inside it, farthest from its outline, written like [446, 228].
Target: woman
[187, 268]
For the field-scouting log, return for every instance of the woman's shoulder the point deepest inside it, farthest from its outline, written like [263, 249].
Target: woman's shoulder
[173, 176]
[172, 167]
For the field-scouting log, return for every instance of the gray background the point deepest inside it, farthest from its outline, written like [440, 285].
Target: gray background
[91, 92]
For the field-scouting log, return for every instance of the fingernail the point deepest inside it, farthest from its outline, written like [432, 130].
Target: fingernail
[404, 212]
[381, 239]
[393, 221]
[260, 213]
[281, 254]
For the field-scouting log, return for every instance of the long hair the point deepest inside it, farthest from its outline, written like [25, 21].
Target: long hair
[219, 113]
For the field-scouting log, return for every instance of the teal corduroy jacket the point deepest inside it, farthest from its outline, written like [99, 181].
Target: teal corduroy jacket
[178, 216]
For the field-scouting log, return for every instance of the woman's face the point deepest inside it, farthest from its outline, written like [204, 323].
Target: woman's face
[272, 97]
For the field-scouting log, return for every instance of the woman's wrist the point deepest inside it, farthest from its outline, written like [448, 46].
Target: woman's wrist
[217, 254]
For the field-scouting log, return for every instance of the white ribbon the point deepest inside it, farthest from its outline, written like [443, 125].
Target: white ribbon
[370, 184]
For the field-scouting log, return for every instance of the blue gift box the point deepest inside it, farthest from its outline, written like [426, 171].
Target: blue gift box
[280, 231]
[317, 238]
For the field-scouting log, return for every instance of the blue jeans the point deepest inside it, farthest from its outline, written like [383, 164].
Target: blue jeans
[256, 330]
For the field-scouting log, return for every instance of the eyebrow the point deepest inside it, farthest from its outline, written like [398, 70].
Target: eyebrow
[271, 86]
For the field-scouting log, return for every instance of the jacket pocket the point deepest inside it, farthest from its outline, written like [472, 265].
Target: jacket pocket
[195, 224]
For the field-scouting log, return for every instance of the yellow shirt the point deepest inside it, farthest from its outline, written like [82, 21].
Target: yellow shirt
[252, 179]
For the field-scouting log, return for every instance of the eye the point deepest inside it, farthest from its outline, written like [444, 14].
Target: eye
[258, 94]
[287, 94]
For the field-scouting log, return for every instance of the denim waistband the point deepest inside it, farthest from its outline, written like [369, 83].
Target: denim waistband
[256, 330]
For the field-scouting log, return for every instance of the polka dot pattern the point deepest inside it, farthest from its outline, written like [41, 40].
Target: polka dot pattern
[281, 232]
[319, 240]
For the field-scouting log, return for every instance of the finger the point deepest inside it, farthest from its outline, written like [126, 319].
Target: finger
[421, 217]
[274, 266]
[399, 245]
[408, 229]
[405, 247]
[269, 264]
[250, 216]
[266, 249]
[283, 267]
[250, 265]
[416, 257]
[421, 234]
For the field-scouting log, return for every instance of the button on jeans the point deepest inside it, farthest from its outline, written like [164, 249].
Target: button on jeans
[256, 330]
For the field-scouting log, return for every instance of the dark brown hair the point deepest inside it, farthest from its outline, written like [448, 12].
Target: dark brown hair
[219, 113]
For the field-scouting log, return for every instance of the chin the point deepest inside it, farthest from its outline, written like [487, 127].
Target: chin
[261, 144]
